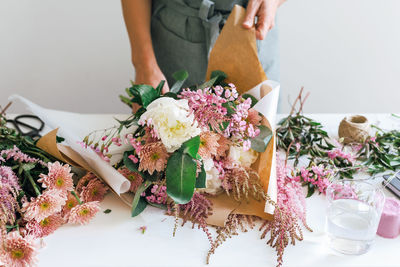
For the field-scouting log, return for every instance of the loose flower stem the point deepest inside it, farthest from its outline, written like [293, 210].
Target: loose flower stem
[77, 198]
[35, 187]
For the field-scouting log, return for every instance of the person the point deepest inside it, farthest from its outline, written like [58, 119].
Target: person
[171, 35]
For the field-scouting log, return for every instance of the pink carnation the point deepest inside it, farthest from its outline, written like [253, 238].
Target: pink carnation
[18, 251]
[48, 203]
[82, 214]
[59, 177]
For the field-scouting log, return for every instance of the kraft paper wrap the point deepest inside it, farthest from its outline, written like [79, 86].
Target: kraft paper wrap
[235, 53]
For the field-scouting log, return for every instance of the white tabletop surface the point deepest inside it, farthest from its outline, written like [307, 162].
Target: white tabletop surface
[115, 239]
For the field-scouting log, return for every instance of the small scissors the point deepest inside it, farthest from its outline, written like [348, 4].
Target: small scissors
[33, 132]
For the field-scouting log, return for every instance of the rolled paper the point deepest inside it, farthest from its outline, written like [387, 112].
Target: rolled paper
[389, 225]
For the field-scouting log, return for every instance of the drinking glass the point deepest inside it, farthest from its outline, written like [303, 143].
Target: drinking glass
[353, 214]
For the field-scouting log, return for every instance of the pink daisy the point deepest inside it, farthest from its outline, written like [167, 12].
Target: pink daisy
[223, 147]
[48, 203]
[83, 213]
[45, 227]
[69, 204]
[18, 251]
[153, 157]
[94, 191]
[136, 179]
[84, 181]
[208, 144]
[254, 117]
[59, 177]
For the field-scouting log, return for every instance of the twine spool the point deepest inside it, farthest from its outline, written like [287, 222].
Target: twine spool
[354, 129]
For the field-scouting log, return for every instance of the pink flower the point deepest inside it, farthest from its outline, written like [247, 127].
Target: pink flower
[158, 194]
[17, 155]
[153, 157]
[59, 177]
[208, 144]
[83, 213]
[84, 181]
[69, 204]
[45, 227]
[254, 117]
[135, 178]
[246, 145]
[48, 203]
[18, 251]
[94, 191]
[218, 90]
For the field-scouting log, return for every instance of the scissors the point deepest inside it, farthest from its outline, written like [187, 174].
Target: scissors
[20, 122]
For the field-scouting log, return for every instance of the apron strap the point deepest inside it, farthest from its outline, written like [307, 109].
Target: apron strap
[211, 25]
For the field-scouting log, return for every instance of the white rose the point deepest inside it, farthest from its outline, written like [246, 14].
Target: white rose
[213, 182]
[171, 121]
[244, 158]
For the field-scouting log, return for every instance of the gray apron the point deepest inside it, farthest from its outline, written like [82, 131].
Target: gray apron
[184, 32]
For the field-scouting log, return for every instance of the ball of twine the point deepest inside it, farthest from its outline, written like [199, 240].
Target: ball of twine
[354, 129]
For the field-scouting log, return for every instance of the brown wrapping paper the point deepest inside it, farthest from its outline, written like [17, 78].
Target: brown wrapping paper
[235, 53]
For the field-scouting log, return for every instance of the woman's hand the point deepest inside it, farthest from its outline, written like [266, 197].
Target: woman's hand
[265, 11]
[151, 76]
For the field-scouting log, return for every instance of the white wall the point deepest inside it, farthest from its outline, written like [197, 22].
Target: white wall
[74, 55]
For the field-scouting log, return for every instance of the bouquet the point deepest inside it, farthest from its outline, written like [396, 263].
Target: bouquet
[37, 196]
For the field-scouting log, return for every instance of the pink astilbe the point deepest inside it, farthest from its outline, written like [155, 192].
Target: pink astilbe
[94, 191]
[18, 251]
[58, 178]
[9, 190]
[135, 179]
[153, 157]
[339, 153]
[45, 205]
[317, 175]
[45, 227]
[208, 144]
[206, 107]
[83, 213]
[17, 155]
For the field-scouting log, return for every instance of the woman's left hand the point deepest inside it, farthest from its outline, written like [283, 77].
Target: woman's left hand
[265, 11]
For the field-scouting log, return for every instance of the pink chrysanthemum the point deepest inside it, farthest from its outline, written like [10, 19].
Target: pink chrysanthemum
[153, 157]
[253, 117]
[48, 203]
[45, 227]
[83, 213]
[69, 204]
[18, 251]
[84, 181]
[208, 144]
[94, 191]
[136, 179]
[59, 177]
[223, 146]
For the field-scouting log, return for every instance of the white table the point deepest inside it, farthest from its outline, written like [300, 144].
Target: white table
[115, 239]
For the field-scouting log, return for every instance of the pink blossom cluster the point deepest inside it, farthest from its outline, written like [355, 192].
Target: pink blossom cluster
[137, 146]
[339, 153]
[316, 175]
[239, 127]
[17, 155]
[9, 190]
[207, 106]
[158, 194]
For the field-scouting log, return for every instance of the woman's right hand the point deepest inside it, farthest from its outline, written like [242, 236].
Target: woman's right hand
[152, 76]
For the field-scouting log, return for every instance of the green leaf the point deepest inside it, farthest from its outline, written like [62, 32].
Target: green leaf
[310, 190]
[28, 166]
[107, 211]
[59, 139]
[191, 146]
[180, 77]
[126, 100]
[143, 94]
[160, 87]
[219, 75]
[138, 203]
[253, 99]
[207, 84]
[230, 107]
[260, 142]
[201, 178]
[181, 177]
[170, 94]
